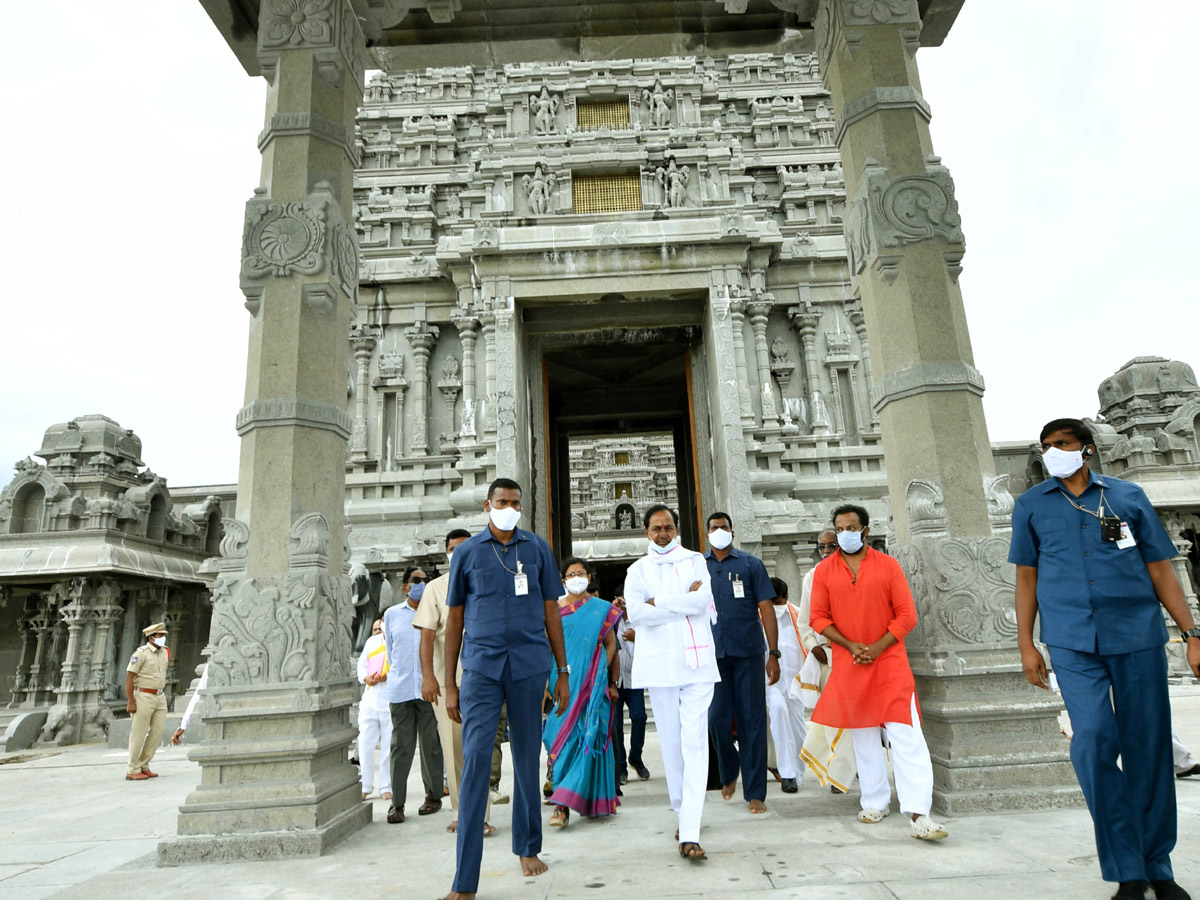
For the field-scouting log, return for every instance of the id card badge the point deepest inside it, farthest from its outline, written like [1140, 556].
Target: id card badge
[1127, 539]
[521, 584]
[739, 589]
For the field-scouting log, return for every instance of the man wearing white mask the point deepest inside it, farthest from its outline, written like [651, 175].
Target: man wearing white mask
[1094, 563]
[861, 602]
[742, 594]
[670, 604]
[145, 681]
[504, 618]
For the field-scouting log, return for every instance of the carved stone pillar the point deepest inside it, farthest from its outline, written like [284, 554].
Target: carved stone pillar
[805, 319]
[449, 385]
[512, 447]
[276, 779]
[362, 341]
[488, 320]
[467, 326]
[423, 339]
[854, 313]
[759, 311]
[25, 657]
[174, 618]
[737, 320]
[993, 738]
[42, 680]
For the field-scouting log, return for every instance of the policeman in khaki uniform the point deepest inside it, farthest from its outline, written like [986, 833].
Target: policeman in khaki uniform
[145, 681]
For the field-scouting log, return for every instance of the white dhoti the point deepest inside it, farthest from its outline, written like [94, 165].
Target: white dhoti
[374, 729]
[787, 731]
[681, 719]
[910, 764]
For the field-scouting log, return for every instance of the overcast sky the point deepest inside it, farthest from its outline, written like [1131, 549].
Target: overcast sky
[131, 151]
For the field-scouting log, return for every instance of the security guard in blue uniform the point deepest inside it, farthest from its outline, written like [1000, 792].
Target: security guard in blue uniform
[503, 615]
[742, 591]
[1094, 561]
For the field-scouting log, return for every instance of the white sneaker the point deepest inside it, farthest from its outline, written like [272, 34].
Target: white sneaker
[925, 829]
[873, 816]
[499, 798]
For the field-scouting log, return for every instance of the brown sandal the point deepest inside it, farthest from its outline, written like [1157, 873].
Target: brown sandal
[560, 817]
[692, 851]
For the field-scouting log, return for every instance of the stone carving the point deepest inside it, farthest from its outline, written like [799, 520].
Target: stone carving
[235, 542]
[419, 266]
[659, 102]
[544, 107]
[391, 365]
[345, 260]
[291, 411]
[296, 23]
[673, 180]
[999, 502]
[732, 223]
[820, 413]
[453, 205]
[487, 236]
[282, 238]
[608, 234]
[781, 363]
[539, 189]
[919, 207]
[963, 588]
[926, 507]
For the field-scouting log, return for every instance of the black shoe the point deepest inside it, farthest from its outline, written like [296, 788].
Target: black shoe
[640, 768]
[623, 777]
[1131, 890]
[395, 815]
[788, 785]
[1168, 889]
[620, 793]
[1188, 773]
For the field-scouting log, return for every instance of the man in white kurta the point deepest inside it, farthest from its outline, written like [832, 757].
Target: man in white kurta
[374, 714]
[828, 751]
[670, 604]
[785, 710]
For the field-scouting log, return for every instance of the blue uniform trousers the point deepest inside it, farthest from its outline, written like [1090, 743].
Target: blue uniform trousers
[479, 702]
[1132, 807]
[741, 692]
[635, 700]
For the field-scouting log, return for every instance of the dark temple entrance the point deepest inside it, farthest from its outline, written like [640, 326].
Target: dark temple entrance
[620, 439]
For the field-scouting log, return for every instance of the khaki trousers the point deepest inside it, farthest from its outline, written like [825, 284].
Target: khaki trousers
[450, 733]
[146, 729]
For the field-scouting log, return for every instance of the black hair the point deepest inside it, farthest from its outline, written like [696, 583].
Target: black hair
[654, 510]
[506, 483]
[719, 515]
[456, 533]
[864, 517]
[408, 573]
[587, 567]
[619, 590]
[1075, 426]
[780, 587]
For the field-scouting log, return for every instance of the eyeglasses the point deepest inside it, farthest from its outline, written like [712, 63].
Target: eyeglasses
[417, 579]
[828, 546]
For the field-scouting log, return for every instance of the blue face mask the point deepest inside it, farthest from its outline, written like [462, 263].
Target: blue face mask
[850, 541]
[416, 590]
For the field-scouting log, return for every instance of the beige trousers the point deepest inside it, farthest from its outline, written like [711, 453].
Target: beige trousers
[450, 734]
[146, 729]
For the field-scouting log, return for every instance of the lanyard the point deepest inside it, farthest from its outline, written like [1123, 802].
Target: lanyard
[520, 568]
[1098, 512]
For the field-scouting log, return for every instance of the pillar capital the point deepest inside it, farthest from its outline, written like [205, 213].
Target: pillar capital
[328, 29]
[841, 25]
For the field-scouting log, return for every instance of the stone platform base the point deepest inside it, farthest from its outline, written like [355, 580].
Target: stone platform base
[182, 851]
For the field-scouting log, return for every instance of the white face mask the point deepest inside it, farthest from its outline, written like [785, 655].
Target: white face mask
[720, 539]
[850, 541]
[449, 558]
[1062, 463]
[159, 642]
[577, 584]
[654, 548]
[505, 519]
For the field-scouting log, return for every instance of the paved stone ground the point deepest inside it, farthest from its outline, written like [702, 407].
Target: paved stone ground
[70, 825]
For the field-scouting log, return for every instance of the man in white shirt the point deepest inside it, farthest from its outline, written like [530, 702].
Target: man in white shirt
[374, 714]
[784, 710]
[412, 716]
[671, 607]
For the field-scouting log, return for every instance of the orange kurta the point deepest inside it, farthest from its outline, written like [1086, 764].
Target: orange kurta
[862, 609]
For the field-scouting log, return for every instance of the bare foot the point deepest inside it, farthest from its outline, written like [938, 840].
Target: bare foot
[453, 827]
[530, 866]
[727, 790]
[488, 830]
[757, 807]
[455, 895]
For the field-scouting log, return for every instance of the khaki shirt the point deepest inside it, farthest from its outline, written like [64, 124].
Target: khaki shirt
[149, 667]
[431, 613]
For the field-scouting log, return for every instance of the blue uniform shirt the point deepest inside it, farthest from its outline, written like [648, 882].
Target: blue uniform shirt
[499, 625]
[739, 631]
[403, 643]
[1092, 596]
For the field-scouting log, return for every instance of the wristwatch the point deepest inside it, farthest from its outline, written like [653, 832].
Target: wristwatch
[564, 670]
[775, 653]
[1191, 633]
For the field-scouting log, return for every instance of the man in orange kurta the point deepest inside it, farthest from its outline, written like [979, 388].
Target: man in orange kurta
[862, 603]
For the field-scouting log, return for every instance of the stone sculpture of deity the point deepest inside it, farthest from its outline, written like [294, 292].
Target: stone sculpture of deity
[660, 102]
[545, 108]
[673, 180]
[538, 187]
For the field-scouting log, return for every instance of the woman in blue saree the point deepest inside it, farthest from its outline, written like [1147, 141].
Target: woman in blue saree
[578, 741]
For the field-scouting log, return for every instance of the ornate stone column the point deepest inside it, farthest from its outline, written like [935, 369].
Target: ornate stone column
[993, 738]
[854, 313]
[467, 326]
[805, 319]
[362, 341]
[488, 320]
[737, 322]
[275, 774]
[25, 657]
[423, 339]
[759, 310]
